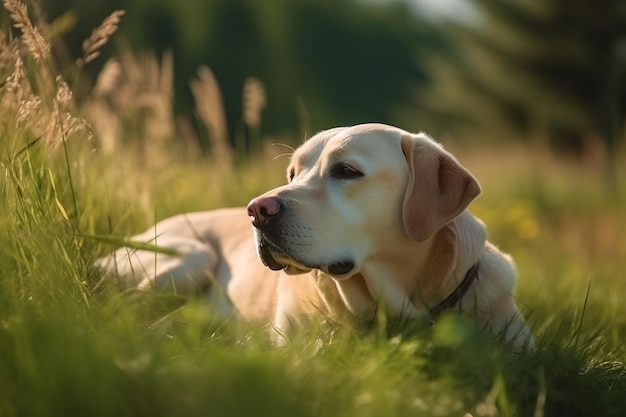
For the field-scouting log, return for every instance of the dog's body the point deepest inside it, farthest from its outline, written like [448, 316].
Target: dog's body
[372, 216]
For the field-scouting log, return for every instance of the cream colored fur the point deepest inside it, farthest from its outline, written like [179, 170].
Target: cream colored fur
[372, 215]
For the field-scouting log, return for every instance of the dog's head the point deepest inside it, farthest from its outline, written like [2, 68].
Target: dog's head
[354, 193]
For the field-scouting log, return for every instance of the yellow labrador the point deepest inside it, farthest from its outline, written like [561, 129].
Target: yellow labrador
[371, 216]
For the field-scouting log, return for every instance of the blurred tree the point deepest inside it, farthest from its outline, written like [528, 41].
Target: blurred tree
[553, 68]
[357, 65]
[323, 62]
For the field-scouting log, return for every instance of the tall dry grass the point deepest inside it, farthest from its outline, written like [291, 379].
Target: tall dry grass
[41, 101]
[126, 116]
[130, 102]
[99, 37]
[209, 106]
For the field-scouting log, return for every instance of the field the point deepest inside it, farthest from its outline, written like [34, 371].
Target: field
[74, 344]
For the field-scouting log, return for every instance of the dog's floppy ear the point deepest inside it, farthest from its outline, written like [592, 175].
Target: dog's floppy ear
[438, 190]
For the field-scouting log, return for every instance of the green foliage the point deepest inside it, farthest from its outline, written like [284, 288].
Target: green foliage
[72, 343]
[540, 68]
[552, 70]
[324, 63]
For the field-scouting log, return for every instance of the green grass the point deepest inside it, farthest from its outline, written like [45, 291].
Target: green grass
[71, 344]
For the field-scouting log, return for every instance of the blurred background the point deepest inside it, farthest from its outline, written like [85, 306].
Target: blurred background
[548, 71]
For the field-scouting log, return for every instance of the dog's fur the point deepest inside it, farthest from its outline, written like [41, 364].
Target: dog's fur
[371, 216]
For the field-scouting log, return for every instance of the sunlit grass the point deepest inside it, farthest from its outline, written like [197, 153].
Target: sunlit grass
[79, 345]
[72, 343]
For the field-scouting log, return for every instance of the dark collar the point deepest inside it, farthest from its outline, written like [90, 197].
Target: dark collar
[455, 297]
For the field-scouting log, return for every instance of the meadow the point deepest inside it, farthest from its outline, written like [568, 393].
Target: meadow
[78, 175]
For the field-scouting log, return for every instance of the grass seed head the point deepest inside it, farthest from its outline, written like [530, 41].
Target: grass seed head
[34, 40]
[100, 36]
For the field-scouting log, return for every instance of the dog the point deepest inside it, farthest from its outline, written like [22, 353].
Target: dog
[371, 217]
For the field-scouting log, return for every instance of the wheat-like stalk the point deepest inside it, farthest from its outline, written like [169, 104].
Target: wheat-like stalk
[254, 101]
[16, 82]
[50, 120]
[9, 49]
[64, 94]
[210, 108]
[134, 91]
[37, 45]
[100, 36]
[47, 112]
[29, 107]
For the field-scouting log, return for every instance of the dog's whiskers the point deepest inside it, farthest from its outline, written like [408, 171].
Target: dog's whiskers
[284, 145]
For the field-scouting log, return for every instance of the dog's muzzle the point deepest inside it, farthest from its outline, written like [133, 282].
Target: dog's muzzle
[266, 214]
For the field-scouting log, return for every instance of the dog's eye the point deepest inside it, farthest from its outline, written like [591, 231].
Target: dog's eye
[291, 174]
[343, 171]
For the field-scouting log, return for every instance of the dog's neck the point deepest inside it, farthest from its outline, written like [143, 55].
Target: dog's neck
[410, 278]
[456, 249]
[454, 299]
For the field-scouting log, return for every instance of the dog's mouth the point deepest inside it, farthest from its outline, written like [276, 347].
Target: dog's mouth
[276, 259]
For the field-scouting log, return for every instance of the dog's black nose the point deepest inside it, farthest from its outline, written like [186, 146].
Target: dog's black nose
[262, 209]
